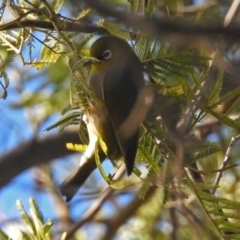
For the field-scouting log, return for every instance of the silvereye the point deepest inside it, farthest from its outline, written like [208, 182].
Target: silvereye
[122, 100]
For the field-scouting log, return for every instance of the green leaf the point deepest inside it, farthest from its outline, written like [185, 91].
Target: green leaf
[38, 229]
[4, 236]
[99, 166]
[145, 186]
[150, 7]
[214, 95]
[234, 107]
[147, 157]
[230, 95]
[114, 29]
[27, 236]
[143, 46]
[187, 92]
[48, 56]
[36, 210]
[80, 94]
[71, 118]
[4, 75]
[76, 147]
[29, 222]
[64, 235]
[234, 123]
[103, 145]
[121, 184]
[201, 150]
[134, 6]
[57, 5]
[47, 228]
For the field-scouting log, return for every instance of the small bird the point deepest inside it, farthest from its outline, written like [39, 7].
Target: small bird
[122, 101]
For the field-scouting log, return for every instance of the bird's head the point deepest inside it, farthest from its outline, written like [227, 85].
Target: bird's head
[111, 52]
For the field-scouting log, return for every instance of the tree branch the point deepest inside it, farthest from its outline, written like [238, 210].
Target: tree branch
[34, 152]
[164, 26]
[125, 213]
[65, 26]
[161, 27]
[97, 204]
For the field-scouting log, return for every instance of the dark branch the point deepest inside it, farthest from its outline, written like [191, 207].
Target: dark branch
[35, 152]
[163, 26]
[65, 26]
[126, 212]
[160, 27]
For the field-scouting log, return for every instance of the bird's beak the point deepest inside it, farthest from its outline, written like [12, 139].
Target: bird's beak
[90, 61]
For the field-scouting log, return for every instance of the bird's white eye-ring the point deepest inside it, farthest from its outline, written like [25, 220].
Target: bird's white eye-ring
[107, 54]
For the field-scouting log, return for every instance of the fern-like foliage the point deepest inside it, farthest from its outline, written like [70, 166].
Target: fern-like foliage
[222, 212]
[36, 227]
[3, 74]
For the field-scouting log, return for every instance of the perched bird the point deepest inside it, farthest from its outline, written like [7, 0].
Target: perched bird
[122, 101]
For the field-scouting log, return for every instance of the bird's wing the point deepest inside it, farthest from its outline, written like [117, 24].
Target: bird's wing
[120, 95]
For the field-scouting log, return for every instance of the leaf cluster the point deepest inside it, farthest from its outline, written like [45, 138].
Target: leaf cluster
[36, 227]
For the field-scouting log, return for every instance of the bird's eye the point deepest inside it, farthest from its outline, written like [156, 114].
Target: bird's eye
[107, 54]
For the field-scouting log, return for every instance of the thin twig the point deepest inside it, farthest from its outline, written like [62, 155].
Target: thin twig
[125, 213]
[55, 19]
[212, 171]
[96, 206]
[231, 12]
[225, 162]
